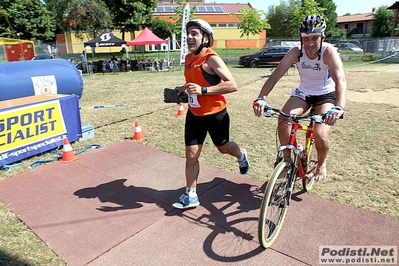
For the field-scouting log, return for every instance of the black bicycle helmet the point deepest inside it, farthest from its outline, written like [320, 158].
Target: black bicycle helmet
[313, 24]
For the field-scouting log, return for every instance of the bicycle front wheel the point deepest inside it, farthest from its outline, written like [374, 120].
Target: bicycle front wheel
[274, 205]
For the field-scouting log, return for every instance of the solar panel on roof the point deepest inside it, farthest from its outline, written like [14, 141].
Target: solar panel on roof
[210, 9]
[200, 9]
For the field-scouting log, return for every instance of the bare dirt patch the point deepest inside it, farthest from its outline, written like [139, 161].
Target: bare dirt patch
[390, 96]
[373, 84]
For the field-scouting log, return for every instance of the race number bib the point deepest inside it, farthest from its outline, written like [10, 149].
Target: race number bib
[193, 101]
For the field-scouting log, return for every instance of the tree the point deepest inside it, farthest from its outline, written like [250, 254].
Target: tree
[87, 17]
[83, 17]
[382, 22]
[58, 9]
[330, 16]
[26, 19]
[308, 7]
[279, 17]
[286, 17]
[131, 15]
[253, 21]
[161, 28]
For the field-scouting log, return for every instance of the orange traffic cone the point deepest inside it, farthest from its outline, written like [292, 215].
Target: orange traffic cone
[180, 111]
[67, 152]
[138, 134]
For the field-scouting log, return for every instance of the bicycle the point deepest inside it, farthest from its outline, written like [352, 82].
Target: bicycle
[279, 188]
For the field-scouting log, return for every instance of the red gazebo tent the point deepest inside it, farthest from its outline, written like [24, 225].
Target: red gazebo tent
[146, 37]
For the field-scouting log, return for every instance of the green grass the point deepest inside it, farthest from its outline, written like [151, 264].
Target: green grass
[362, 164]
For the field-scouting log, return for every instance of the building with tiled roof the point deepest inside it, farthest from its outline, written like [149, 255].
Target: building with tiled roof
[213, 13]
[358, 25]
[225, 8]
[219, 16]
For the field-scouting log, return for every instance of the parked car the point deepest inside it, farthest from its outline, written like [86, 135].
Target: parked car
[348, 46]
[264, 57]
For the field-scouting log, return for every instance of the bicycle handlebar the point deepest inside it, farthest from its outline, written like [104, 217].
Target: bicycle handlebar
[318, 118]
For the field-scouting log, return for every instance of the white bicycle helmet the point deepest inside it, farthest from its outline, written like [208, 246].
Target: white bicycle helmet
[205, 27]
[312, 25]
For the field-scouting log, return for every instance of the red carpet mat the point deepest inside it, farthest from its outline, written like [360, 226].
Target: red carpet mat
[112, 206]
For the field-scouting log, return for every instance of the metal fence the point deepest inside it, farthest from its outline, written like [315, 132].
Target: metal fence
[380, 48]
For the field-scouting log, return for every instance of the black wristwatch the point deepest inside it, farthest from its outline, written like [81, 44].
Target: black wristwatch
[204, 90]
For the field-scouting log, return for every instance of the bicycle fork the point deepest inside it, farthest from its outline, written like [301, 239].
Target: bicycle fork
[293, 166]
[291, 183]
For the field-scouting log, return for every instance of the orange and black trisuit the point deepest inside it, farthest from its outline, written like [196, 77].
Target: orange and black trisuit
[193, 72]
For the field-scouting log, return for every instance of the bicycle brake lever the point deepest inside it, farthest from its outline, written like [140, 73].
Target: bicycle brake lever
[319, 119]
[269, 113]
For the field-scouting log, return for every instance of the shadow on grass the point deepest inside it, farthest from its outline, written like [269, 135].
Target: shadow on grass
[6, 259]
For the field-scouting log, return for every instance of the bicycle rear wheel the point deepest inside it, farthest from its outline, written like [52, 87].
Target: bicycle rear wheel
[311, 164]
[274, 205]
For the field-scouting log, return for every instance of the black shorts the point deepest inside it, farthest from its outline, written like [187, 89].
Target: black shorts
[315, 100]
[196, 128]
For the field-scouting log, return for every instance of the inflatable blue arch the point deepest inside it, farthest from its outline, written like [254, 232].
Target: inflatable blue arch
[27, 78]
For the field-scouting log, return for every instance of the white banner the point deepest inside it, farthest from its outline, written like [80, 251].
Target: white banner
[184, 47]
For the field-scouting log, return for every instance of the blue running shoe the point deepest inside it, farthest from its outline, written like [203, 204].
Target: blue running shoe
[186, 202]
[244, 164]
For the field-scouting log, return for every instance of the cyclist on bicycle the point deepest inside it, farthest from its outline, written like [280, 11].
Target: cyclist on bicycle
[322, 84]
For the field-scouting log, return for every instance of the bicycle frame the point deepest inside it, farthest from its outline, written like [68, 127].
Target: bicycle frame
[296, 164]
[293, 145]
[297, 167]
